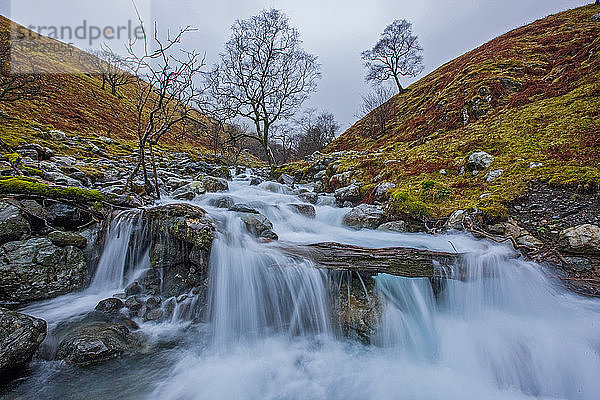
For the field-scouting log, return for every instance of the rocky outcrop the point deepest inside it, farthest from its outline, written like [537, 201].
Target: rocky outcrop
[364, 216]
[36, 269]
[20, 337]
[582, 239]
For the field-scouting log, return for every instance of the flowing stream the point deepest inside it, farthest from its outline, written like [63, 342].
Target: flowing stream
[507, 331]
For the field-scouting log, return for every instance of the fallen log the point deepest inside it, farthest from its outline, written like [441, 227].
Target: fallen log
[399, 261]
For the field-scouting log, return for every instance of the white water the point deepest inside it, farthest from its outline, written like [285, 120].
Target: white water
[507, 332]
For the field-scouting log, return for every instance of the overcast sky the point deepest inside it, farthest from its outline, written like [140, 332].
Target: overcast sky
[338, 30]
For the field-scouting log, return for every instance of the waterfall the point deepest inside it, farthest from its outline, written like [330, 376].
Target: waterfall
[498, 328]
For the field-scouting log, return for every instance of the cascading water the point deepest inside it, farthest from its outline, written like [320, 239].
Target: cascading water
[498, 328]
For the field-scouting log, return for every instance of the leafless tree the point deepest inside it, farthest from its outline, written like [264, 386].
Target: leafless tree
[112, 68]
[264, 74]
[16, 84]
[316, 131]
[165, 92]
[378, 109]
[285, 142]
[395, 55]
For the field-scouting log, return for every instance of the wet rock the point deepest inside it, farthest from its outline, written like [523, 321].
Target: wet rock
[319, 187]
[189, 191]
[64, 239]
[222, 202]
[153, 302]
[20, 337]
[110, 305]
[243, 208]
[36, 269]
[394, 226]
[381, 190]
[309, 197]
[582, 239]
[153, 315]
[133, 304]
[132, 289]
[259, 226]
[364, 216]
[66, 216]
[304, 209]
[93, 342]
[13, 224]
[212, 184]
[579, 264]
[286, 179]
[255, 181]
[349, 193]
[479, 161]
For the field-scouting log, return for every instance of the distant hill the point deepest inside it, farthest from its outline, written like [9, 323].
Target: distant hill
[530, 98]
[74, 102]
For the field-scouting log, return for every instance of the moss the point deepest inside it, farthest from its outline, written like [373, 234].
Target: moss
[32, 172]
[12, 158]
[30, 186]
[494, 214]
[404, 203]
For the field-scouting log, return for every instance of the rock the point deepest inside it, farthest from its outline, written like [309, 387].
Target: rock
[36, 269]
[58, 135]
[364, 216]
[340, 180]
[534, 164]
[286, 179]
[28, 153]
[66, 216]
[582, 239]
[349, 193]
[132, 289]
[529, 240]
[259, 226]
[133, 304]
[153, 302]
[394, 226]
[579, 264]
[222, 202]
[596, 17]
[13, 224]
[20, 337]
[304, 209]
[309, 197]
[320, 175]
[493, 175]
[189, 191]
[212, 184]
[479, 161]
[64, 239]
[381, 190]
[95, 342]
[110, 305]
[455, 220]
[153, 315]
[319, 187]
[255, 181]
[243, 208]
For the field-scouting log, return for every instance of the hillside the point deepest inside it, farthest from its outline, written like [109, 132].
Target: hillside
[530, 98]
[74, 102]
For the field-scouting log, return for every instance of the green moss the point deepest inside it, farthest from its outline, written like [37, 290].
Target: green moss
[32, 172]
[494, 214]
[404, 203]
[12, 158]
[30, 186]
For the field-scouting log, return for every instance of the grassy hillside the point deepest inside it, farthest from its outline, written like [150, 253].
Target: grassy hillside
[529, 96]
[75, 103]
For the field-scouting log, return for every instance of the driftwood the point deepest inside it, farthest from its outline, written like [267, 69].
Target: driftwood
[400, 261]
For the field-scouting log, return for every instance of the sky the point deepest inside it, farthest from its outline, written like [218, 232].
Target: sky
[337, 31]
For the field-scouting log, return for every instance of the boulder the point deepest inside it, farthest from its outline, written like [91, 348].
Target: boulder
[13, 224]
[189, 191]
[243, 208]
[364, 216]
[66, 216]
[456, 220]
[36, 269]
[304, 209]
[64, 239]
[259, 226]
[20, 337]
[493, 175]
[309, 197]
[110, 305]
[582, 239]
[212, 184]
[479, 161]
[340, 180]
[394, 226]
[255, 181]
[94, 342]
[222, 202]
[349, 193]
[381, 190]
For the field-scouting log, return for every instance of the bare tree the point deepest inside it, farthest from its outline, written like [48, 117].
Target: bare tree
[285, 142]
[112, 68]
[378, 109]
[165, 92]
[317, 131]
[396, 54]
[16, 84]
[264, 74]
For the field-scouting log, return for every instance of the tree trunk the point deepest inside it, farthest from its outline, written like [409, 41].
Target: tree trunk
[400, 89]
[154, 172]
[399, 261]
